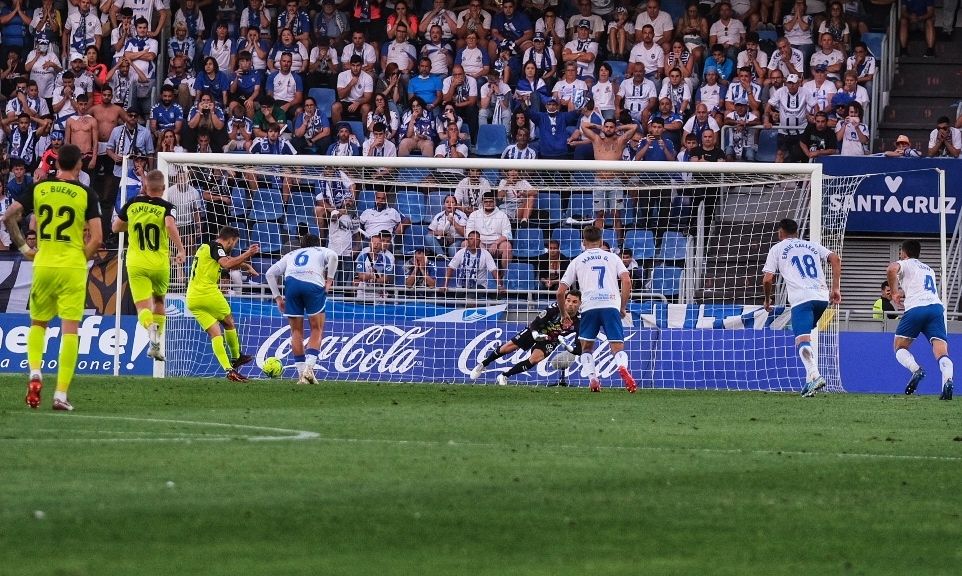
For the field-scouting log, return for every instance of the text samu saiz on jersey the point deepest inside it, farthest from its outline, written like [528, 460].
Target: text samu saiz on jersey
[138, 209]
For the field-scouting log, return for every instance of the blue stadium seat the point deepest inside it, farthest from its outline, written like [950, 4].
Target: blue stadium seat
[583, 179]
[674, 246]
[641, 243]
[325, 98]
[666, 280]
[874, 41]
[492, 140]
[549, 203]
[520, 277]
[261, 265]
[569, 239]
[608, 235]
[365, 200]
[411, 203]
[580, 206]
[619, 68]
[767, 145]
[357, 128]
[270, 236]
[492, 176]
[239, 200]
[300, 208]
[528, 243]
[413, 238]
[413, 175]
[766, 34]
[435, 203]
[674, 7]
[267, 204]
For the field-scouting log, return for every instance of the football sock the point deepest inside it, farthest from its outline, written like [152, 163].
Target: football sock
[35, 342]
[67, 361]
[808, 360]
[492, 357]
[217, 343]
[233, 342]
[945, 365]
[906, 359]
[160, 320]
[588, 361]
[145, 317]
[621, 359]
[299, 363]
[311, 358]
[518, 368]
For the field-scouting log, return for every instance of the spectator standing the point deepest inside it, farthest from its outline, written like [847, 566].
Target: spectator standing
[852, 133]
[494, 228]
[552, 127]
[817, 140]
[471, 265]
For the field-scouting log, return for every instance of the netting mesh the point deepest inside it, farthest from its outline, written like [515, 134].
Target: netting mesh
[415, 307]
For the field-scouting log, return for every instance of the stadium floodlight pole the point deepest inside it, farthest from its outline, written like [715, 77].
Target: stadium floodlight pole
[118, 297]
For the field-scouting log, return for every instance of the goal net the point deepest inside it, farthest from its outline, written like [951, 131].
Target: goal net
[413, 307]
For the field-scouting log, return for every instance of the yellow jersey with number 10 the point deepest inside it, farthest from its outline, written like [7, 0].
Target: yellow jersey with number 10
[62, 209]
[146, 218]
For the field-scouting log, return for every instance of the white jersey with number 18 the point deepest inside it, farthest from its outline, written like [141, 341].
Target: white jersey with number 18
[597, 273]
[799, 262]
[918, 283]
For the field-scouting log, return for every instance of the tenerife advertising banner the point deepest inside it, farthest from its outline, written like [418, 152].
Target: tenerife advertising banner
[901, 195]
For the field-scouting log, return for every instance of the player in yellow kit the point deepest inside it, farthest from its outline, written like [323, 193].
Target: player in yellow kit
[207, 303]
[151, 222]
[63, 208]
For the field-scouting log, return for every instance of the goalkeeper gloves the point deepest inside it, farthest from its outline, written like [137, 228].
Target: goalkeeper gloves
[539, 336]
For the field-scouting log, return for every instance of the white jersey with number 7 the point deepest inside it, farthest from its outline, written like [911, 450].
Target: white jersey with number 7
[918, 283]
[799, 262]
[596, 272]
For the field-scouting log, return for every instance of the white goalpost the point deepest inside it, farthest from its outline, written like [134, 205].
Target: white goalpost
[698, 234]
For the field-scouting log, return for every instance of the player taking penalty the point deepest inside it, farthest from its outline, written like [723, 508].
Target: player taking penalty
[924, 314]
[63, 207]
[152, 224]
[208, 305]
[541, 337]
[799, 262]
[599, 274]
[308, 274]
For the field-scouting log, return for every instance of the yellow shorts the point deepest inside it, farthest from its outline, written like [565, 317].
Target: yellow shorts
[145, 283]
[58, 292]
[208, 308]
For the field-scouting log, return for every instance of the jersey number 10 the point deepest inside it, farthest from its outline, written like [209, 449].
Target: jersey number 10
[148, 236]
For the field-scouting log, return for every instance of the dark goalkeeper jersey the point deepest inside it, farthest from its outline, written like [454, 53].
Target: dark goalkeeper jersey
[549, 322]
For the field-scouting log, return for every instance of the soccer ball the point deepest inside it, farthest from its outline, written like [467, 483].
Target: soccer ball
[272, 367]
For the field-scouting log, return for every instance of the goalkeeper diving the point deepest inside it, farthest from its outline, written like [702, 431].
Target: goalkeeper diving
[308, 274]
[545, 333]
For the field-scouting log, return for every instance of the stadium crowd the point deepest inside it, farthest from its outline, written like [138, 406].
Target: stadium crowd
[367, 77]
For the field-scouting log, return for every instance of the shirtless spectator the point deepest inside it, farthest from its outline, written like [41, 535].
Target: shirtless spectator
[608, 196]
[82, 132]
[108, 116]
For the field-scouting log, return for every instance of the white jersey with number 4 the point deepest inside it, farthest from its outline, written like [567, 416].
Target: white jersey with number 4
[918, 283]
[799, 262]
[314, 264]
[597, 273]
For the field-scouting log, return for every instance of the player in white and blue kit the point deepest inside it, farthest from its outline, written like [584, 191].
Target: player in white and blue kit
[799, 262]
[308, 274]
[924, 314]
[603, 302]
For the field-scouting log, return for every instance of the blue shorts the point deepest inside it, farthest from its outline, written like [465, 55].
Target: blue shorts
[805, 316]
[928, 320]
[303, 298]
[608, 319]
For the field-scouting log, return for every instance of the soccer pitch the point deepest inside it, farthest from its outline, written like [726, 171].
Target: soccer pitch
[188, 476]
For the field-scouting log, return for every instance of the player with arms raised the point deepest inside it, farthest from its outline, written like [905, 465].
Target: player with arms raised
[541, 337]
[598, 274]
[308, 274]
[207, 303]
[63, 207]
[153, 222]
[800, 264]
[924, 314]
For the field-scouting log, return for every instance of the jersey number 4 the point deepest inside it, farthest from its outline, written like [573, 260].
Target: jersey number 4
[929, 284]
[65, 216]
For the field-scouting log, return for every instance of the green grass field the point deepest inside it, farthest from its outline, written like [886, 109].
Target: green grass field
[207, 477]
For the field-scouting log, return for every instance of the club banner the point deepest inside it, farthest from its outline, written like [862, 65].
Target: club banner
[901, 196]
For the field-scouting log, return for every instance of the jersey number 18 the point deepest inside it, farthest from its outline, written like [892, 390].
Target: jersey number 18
[806, 266]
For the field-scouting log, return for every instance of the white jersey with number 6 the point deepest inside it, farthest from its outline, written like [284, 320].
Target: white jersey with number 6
[800, 264]
[918, 283]
[314, 264]
[597, 273]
